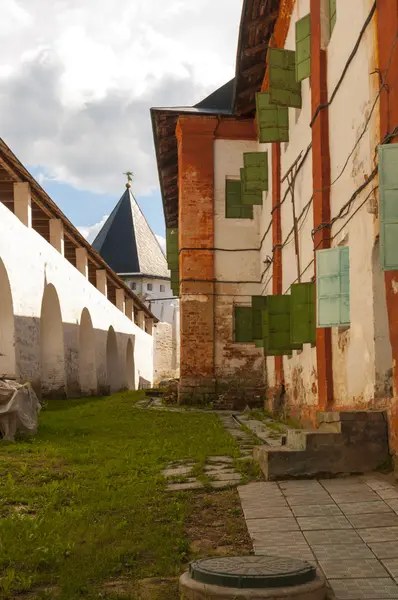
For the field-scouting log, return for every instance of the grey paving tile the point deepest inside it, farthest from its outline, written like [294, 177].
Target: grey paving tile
[342, 551]
[283, 539]
[393, 503]
[346, 498]
[266, 512]
[336, 537]
[360, 508]
[389, 519]
[384, 549]
[219, 485]
[319, 523]
[317, 510]
[391, 565]
[222, 476]
[353, 568]
[379, 534]
[365, 589]
[388, 494]
[177, 472]
[305, 500]
[346, 487]
[298, 486]
[378, 484]
[300, 552]
[277, 524]
[220, 459]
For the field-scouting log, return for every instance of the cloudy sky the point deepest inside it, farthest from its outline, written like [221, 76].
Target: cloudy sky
[77, 79]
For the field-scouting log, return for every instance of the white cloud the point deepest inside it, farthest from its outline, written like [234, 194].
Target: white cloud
[162, 242]
[90, 232]
[91, 71]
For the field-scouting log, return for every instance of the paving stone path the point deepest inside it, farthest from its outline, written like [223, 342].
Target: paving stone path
[219, 471]
[347, 527]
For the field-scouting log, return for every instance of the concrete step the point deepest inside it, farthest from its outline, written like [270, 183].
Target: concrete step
[346, 442]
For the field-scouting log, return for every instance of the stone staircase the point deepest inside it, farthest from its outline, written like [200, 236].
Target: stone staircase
[345, 442]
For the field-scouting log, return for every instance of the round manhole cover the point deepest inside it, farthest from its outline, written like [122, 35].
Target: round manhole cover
[252, 572]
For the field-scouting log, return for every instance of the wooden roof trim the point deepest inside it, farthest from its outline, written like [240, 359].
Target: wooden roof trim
[17, 171]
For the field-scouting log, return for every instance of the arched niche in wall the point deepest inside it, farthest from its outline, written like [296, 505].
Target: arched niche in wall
[7, 334]
[130, 365]
[52, 357]
[112, 362]
[87, 362]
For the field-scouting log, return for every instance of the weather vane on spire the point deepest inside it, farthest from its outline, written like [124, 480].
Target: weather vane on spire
[129, 175]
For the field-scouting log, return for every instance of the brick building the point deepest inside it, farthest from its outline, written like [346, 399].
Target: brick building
[280, 190]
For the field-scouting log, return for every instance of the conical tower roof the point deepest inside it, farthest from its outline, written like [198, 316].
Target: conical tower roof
[128, 244]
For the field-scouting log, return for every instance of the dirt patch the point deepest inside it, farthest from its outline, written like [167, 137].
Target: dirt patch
[156, 588]
[216, 525]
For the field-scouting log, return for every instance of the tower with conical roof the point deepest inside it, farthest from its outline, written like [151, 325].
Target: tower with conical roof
[129, 246]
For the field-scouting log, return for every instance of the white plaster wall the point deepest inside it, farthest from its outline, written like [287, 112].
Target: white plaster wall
[31, 264]
[165, 353]
[354, 351]
[238, 273]
[164, 310]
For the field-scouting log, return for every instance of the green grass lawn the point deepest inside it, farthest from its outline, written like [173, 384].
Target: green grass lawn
[84, 502]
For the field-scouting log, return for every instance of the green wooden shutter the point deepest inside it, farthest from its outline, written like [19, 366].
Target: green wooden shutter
[249, 198]
[172, 248]
[333, 287]
[276, 326]
[175, 282]
[234, 208]
[272, 120]
[243, 324]
[303, 48]
[283, 87]
[388, 198]
[258, 304]
[302, 316]
[332, 15]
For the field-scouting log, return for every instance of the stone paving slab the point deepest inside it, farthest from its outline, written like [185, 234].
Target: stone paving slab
[387, 493]
[391, 564]
[342, 551]
[354, 568]
[305, 500]
[357, 550]
[181, 487]
[341, 536]
[359, 508]
[393, 503]
[256, 526]
[388, 519]
[346, 498]
[270, 512]
[379, 534]
[323, 523]
[365, 589]
[317, 510]
[384, 549]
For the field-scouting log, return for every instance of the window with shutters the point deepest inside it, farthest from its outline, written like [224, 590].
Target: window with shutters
[303, 48]
[332, 15]
[277, 328]
[234, 209]
[302, 315]
[243, 324]
[254, 177]
[333, 287]
[283, 87]
[388, 199]
[272, 120]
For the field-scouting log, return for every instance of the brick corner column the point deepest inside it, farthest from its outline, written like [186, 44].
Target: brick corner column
[195, 136]
[321, 186]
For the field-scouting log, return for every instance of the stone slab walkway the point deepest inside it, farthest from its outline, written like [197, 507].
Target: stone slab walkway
[347, 527]
[219, 472]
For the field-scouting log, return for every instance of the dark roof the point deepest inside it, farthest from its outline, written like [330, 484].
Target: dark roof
[128, 244]
[220, 100]
[256, 28]
[164, 122]
[235, 98]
